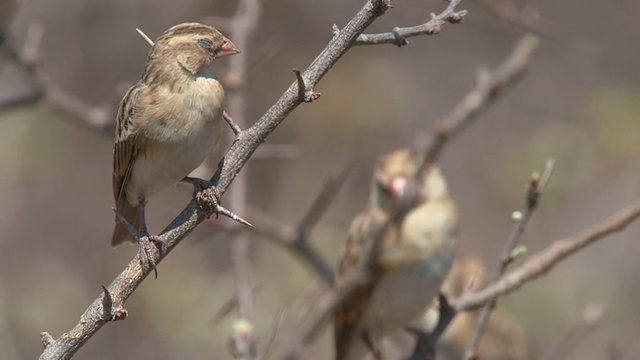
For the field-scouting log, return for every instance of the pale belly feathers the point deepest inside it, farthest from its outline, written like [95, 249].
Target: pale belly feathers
[175, 151]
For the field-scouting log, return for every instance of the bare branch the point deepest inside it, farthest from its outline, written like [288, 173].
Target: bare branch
[244, 295]
[545, 260]
[489, 86]
[234, 127]
[399, 36]
[308, 331]
[297, 239]
[534, 190]
[244, 22]
[305, 94]
[44, 88]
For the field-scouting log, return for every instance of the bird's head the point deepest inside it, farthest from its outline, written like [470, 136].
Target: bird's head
[395, 184]
[190, 47]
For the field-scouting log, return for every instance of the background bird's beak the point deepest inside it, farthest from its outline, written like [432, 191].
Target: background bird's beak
[404, 190]
[398, 186]
[227, 49]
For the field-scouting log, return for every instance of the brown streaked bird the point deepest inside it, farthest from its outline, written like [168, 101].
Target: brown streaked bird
[408, 262]
[168, 122]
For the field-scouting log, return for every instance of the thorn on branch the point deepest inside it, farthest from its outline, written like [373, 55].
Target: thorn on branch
[112, 310]
[304, 94]
[335, 30]
[237, 131]
[144, 36]
[219, 209]
[107, 303]
[46, 339]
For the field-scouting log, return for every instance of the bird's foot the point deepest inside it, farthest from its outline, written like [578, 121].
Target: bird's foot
[208, 199]
[147, 245]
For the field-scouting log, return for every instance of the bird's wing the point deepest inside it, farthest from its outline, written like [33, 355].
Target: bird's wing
[362, 245]
[127, 144]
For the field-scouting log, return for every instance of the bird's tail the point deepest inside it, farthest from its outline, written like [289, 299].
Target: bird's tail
[120, 232]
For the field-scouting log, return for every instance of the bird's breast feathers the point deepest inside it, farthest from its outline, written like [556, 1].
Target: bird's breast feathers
[179, 111]
[179, 130]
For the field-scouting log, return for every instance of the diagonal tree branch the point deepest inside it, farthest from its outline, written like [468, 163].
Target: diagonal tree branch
[545, 260]
[243, 148]
[489, 86]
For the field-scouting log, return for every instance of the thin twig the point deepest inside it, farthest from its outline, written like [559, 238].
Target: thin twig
[302, 88]
[244, 294]
[243, 24]
[234, 127]
[399, 35]
[489, 85]
[322, 309]
[535, 187]
[144, 37]
[546, 259]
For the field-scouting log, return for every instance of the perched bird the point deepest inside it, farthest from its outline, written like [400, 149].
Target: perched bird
[407, 237]
[168, 122]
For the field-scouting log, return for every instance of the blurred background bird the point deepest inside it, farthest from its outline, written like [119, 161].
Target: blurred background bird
[503, 338]
[168, 122]
[407, 237]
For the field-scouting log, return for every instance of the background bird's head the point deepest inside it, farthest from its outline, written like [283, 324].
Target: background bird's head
[396, 187]
[188, 47]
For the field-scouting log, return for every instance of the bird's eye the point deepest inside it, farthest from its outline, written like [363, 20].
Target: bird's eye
[205, 44]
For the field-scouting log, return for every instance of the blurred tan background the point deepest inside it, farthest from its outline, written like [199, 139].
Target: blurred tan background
[579, 103]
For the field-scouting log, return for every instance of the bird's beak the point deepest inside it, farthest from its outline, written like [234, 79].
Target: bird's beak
[404, 190]
[227, 49]
[398, 186]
